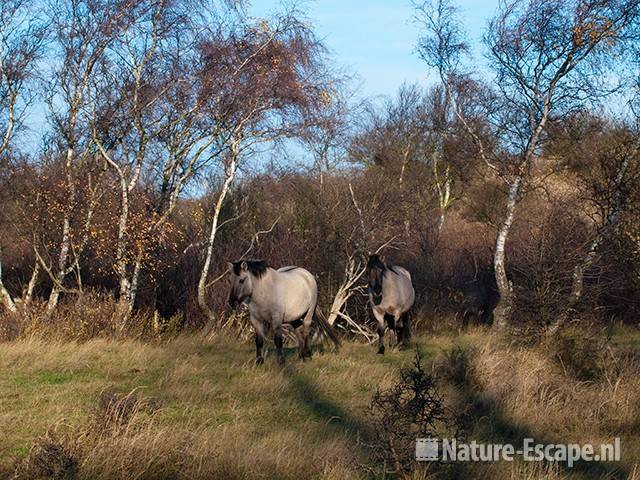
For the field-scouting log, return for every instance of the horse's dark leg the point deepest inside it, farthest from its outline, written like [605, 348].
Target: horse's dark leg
[380, 317]
[299, 329]
[307, 341]
[302, 333]
[277, 338]
[306, 333]
[395, 323]
[391, 321]
[381, 328]
[259, 329]
[259, 345]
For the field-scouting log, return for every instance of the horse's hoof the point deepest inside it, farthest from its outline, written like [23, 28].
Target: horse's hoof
[259, 361]
[381, 351]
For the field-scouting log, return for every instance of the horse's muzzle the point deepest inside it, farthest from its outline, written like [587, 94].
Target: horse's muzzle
[376, 295]
[377, 298]
[233, 302]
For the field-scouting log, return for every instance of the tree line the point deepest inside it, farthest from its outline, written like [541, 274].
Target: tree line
[145, 143]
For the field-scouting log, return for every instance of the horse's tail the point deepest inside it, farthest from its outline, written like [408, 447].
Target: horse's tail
[405, 331]
[325, 327]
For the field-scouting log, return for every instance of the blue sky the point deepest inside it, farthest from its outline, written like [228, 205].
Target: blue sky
[376, 38]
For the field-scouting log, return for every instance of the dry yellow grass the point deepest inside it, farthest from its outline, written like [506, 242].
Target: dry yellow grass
[518, 393]
[212, 413]
[537, 389]
[206, 411]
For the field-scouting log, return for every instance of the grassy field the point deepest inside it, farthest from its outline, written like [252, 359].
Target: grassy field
[201, 409]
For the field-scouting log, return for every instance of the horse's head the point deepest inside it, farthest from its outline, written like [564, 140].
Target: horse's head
[242, 276]
[240, 283]
[375, 272]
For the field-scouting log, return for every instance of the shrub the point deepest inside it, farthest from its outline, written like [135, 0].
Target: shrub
[525, 334]
[580, 352]
[9, 326]
[412, 408]
[48, 459]
[87, 315]
[455, 365]
[115, 411]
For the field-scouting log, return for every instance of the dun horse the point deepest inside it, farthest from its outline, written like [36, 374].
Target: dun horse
[288, 295]
[391, 296]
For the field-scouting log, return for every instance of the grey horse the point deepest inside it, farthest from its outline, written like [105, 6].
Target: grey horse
[287, 295]
[391, 296]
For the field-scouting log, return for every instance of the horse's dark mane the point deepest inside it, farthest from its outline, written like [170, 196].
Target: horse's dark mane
[287, 269]
[376, 262]
[392, 268]
[256, 267]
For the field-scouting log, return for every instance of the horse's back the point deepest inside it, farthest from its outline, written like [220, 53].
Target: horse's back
[402, 286]
[401, 271]
[293, 272]
[298, 290]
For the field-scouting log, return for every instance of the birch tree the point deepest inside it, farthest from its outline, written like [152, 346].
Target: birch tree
[125, 129]
[443, 129]
[263, 83]
[327, 136]
[154, 129]
[393, 135]
[82, 32]
[414, 128]
[21, 41]
[613, 173]
[546, 56]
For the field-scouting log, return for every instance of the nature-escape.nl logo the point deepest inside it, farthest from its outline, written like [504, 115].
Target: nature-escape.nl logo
[450, 450]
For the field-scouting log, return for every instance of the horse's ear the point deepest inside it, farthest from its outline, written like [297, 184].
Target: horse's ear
[230, 266]
[244, 266]
[382, 259]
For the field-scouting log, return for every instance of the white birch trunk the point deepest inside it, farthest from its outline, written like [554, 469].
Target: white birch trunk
[128, 294]
[502, 312]
[230, 173]
[443, 186]
[7, 300]
[405, 160]
[504, 308]
[577, 277]
[65, 244]
[33, 281]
